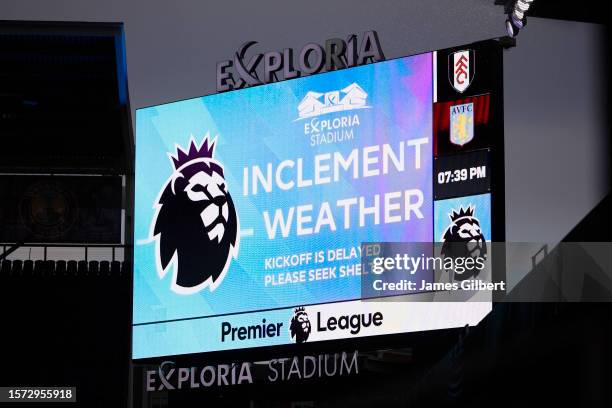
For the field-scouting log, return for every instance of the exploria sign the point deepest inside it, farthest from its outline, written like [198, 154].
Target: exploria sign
[169, 376]
[248, 68]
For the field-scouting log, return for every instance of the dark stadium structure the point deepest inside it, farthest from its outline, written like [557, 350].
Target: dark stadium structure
[64, 110]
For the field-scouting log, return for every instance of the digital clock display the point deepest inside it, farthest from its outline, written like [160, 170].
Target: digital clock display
[461, 175]
[464, 174]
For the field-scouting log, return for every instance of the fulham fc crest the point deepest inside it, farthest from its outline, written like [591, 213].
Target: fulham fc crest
[461, 69]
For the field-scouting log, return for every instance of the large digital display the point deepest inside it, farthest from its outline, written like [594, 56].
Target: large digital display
[251, 207]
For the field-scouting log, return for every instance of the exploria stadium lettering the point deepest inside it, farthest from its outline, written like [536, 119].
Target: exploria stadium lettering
[241, 72]
[170, 377]
[328, 131]
[332, 129]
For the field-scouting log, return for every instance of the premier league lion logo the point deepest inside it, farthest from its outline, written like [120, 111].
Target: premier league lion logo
[300, 325]
[463, 238]
[195, 226]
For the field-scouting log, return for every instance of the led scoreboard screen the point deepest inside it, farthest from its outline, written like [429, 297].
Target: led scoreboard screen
[251, 206]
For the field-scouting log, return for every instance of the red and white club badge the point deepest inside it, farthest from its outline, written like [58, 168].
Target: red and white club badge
[461, 69]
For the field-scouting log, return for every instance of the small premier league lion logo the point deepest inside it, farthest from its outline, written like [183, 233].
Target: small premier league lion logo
[463, 238]
[300, 325]
[195, 225]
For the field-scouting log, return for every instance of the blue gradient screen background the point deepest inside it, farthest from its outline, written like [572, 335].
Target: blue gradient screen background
[260, 125]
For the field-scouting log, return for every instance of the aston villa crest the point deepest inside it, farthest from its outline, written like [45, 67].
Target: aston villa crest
[461, 123]
[461, 69]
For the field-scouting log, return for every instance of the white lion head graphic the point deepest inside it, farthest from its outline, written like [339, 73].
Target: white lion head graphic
[195, 226]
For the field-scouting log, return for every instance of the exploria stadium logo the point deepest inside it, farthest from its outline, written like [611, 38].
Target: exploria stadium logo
[317, 103]
[195, 226]
[299, 327]
[464, 238]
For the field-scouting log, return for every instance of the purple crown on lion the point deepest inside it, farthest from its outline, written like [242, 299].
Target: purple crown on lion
[204, 151]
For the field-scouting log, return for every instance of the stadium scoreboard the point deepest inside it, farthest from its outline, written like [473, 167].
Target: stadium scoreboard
[251, 206]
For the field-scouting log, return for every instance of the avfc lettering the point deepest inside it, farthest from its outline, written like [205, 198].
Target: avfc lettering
[455, 110]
